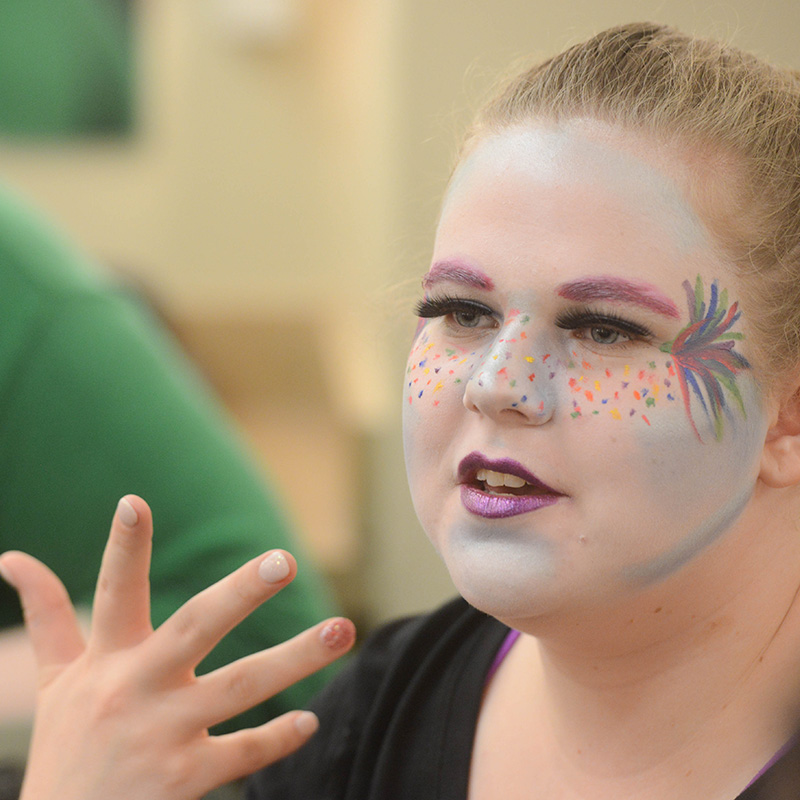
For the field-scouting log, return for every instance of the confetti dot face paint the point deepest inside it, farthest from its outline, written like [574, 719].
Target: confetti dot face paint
[579, 322]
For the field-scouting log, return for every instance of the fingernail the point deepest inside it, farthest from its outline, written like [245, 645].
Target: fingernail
[6, 575]
[306, 723]
[274, 568]
[127, 513]
[337, 633]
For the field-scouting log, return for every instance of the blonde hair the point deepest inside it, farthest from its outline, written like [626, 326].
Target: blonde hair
[730, 108]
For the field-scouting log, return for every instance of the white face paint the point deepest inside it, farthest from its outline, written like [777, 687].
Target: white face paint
[583, 349]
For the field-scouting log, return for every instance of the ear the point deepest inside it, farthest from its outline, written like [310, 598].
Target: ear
[780, 461]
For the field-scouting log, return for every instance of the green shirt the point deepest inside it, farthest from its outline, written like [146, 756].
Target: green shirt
[97, 402]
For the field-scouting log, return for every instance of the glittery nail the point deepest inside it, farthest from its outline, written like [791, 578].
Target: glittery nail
[274, 568]
[337, 634]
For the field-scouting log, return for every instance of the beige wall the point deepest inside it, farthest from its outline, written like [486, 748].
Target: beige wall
[252, 162]
[284, 190]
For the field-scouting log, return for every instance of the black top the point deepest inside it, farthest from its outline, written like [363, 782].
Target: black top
[399, 722]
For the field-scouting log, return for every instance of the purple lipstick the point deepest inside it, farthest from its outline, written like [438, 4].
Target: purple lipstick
[498, 488]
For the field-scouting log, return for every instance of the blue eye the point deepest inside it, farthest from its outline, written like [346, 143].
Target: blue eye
[603, 328]
[459, 312]
[468, 319]
[606, 335]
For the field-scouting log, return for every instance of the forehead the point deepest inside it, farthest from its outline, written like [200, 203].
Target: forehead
[579, 192]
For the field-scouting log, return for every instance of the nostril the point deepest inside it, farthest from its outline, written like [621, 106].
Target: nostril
[513, 412]
[470, 405]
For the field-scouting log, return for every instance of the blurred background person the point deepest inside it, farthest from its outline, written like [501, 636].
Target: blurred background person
[95, 397]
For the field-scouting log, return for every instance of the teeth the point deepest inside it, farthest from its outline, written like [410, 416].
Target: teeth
[496, 479]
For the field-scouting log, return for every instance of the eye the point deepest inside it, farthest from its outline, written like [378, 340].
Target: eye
[603, 335]
[458, 313]
[605, 329]
[469, 318]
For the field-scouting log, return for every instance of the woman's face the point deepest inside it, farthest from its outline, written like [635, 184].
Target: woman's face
[580, 416]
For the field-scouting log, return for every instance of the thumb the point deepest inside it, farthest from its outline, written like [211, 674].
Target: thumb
[49, 616]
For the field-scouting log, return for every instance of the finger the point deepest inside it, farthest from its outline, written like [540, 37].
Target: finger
[237, 687]
[187, 637]
[121, 612]
[237, 755]
[49, 616]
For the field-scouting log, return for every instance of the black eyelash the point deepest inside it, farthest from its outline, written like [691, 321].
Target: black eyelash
[575, 318]
[431, 307]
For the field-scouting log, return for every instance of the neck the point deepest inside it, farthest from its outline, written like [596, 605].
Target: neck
[678, 683]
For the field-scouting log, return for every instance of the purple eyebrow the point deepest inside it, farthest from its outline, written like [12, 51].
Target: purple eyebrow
[457, 272]
[611, 288]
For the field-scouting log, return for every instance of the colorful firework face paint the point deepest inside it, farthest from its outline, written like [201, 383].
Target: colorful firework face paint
[580, 417]
[705, 357]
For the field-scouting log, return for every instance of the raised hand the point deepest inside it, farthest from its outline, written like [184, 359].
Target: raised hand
[123, 715]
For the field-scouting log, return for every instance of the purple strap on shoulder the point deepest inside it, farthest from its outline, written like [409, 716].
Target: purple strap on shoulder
[508, 643]
[512, 637]
[774, 760]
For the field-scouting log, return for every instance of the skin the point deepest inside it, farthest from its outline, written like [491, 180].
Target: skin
[657, 595]
[647, 487]
[126, 699]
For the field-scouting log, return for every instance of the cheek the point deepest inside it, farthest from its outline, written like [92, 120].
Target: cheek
[681, 486]
[433, 391]
[666, 443]
[640, 394]
[436, 375]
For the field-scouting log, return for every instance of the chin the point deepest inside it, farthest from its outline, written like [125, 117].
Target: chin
[504, 581]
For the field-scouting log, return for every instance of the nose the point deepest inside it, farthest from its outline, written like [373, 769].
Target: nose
[510, 385]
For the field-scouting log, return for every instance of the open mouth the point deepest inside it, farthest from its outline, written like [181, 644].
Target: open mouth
[501, 488]
[492, 482]
[500, 476]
